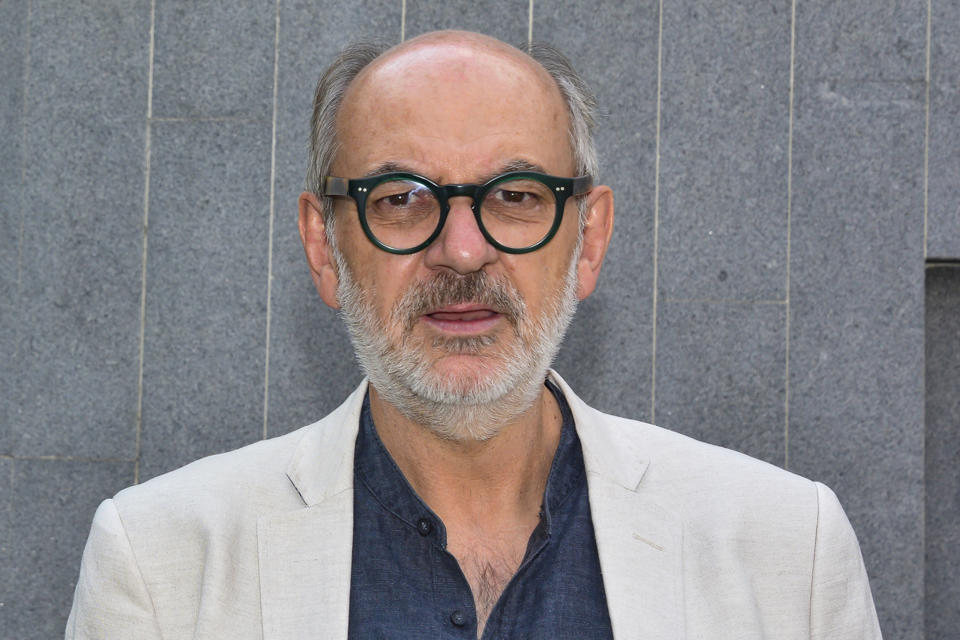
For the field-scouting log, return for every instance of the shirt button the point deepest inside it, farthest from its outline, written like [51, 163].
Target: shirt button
[458, 618]
[424, 526]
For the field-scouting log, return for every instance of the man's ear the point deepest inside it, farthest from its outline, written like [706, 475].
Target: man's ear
[597, 230]
[313, 234]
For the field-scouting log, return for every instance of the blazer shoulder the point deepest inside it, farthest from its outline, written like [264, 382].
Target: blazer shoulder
[236, 485]
[227, 492]
[699, 482]
[628, 451]
[190, 539]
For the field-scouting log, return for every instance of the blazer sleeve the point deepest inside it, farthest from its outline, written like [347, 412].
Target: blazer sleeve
[840, 602]
[111, 599]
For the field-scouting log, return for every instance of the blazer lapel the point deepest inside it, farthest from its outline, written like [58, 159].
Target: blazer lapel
[639, 542]
[640, 548]
[305, 571]
[305, 555]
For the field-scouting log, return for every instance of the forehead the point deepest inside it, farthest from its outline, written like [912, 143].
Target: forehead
[452, 106]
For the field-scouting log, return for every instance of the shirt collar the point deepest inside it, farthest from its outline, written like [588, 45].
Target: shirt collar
[381, 476]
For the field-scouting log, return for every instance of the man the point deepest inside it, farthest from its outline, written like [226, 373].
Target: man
[465, 490]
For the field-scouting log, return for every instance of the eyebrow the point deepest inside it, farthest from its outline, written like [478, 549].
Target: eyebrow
[508, 167]
[516, 165]
[389, 167]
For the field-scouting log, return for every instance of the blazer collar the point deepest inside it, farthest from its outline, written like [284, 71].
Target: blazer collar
[607, 453]
[639, 541]
[322, 464]
[306, 554]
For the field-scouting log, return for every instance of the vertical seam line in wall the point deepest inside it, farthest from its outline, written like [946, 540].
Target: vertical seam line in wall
[146, 225]
[13, 461]
[786, 365]
[529, 25]
[656, 220]
[23, 176]
[926, 165]
[403, 20]
[926, 133]
[272, 209]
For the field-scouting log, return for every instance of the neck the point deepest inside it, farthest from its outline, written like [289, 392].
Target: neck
[463, 481]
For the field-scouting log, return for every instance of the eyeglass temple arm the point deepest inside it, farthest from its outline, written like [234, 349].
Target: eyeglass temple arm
[335, 186]
[582, 184]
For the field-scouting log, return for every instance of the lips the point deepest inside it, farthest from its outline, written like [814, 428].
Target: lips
[463, 318]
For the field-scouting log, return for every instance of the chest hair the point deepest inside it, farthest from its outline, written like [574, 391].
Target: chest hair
[487, 572]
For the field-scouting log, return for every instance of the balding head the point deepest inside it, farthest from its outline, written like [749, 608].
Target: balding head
[439, 57]
[452, 57]
[453, 107]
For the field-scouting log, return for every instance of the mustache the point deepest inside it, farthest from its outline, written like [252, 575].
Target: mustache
[448, 288]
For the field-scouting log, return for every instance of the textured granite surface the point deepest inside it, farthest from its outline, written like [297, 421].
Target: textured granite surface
[13, 51]
[723, 141]
[720, 375]
[942, 515]
[214, 59]
[89, 57]
[206, 291]
[943, 223]
[505, 19]
[76, 316]
[78, 310]
[9, 587]
[861, 39]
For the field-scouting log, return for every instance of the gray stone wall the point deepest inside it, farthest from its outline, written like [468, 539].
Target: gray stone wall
[782, 170]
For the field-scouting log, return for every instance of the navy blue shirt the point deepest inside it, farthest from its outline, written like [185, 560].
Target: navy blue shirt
[405, 584]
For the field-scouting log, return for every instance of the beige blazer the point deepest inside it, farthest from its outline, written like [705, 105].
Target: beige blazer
[695, 541]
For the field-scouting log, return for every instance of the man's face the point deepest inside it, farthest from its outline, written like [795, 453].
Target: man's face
[458, 328]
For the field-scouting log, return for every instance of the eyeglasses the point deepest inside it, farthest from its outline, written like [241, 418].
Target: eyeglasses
[402, 213]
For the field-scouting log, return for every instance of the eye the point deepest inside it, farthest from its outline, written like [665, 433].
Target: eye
[514, 197]
[520, 193]
[517, 196]
[398, 199]
[400, 195]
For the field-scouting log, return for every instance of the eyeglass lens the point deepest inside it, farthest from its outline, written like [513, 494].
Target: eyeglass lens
[517, 212]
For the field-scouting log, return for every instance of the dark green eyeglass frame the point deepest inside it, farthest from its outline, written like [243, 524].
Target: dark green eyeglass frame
[358, 189]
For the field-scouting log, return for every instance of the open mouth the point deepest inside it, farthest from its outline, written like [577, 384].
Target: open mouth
[465, 318]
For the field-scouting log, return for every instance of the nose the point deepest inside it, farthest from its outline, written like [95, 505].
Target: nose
[460, 246]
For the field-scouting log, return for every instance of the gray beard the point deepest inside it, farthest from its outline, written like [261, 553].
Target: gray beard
[477, 404]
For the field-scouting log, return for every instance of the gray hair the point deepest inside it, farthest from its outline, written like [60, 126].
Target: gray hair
[581, 106]
[323, 124]
[580, 101]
